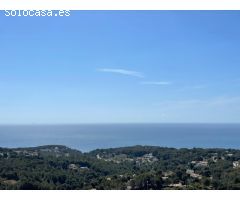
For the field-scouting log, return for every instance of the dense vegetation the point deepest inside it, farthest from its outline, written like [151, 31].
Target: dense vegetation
[138, 168]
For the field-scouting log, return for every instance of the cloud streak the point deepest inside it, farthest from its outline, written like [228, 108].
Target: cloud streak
[156, 83]
[194, 87]
[122, 72]
[210, 110]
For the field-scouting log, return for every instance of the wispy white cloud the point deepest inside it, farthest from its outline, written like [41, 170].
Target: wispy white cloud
[216, 109]
[156, 83]
[211, 102]
[193, 87]
[198, 87]
[122, 72]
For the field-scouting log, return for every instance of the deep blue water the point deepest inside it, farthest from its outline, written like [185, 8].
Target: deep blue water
[89, 137]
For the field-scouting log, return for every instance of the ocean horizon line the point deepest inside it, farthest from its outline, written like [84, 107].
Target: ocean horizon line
[122, 123]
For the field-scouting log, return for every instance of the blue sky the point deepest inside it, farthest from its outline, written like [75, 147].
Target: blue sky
[120, 67]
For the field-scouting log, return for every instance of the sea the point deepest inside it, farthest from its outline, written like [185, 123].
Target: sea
[87, 137]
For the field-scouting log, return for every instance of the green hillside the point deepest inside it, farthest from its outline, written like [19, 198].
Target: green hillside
[136, 168]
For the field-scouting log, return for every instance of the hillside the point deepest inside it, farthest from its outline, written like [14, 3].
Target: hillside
[137, 167]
